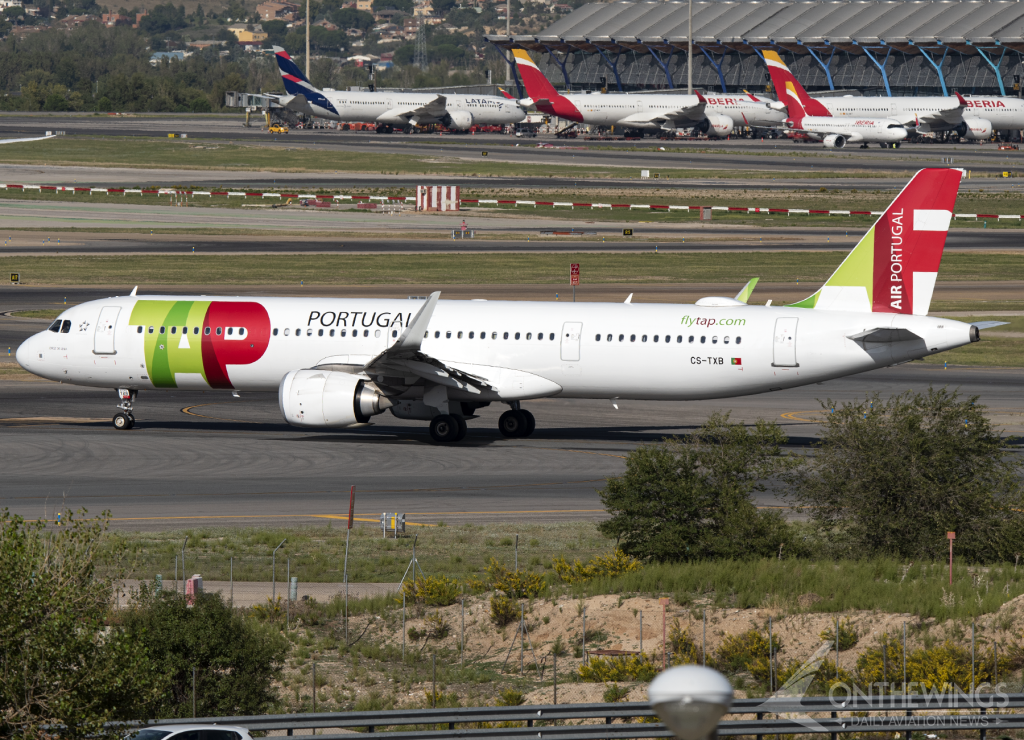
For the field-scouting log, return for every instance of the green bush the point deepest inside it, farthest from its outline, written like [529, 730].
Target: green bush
[684, 649]
[504, 611]
[516, 584]
[614, 564]
[848, 636]
[615, 693]
[618, 668]
[432, 590]
[747, 651]
[511, 698]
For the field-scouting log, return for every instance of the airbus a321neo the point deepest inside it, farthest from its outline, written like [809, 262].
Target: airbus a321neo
[338, 362]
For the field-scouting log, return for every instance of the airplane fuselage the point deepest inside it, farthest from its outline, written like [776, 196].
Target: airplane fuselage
[637, 111]
[394, 108]
[523, 349]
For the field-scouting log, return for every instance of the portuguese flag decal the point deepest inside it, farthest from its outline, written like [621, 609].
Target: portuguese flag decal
[737, 361]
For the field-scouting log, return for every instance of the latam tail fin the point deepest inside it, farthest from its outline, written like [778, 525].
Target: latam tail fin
[537, 85]
[894, 266]
[295, 82]
[791, 92]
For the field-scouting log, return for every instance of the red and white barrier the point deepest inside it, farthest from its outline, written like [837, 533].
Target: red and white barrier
[437, 198]
[447, 198]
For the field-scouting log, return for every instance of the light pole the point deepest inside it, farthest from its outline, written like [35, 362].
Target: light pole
[183, 565]
[307, 38]
[689, 50]
[273, 571]
[690, 700]
[508, 35]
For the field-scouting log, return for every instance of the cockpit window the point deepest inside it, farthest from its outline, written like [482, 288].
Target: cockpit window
[65, 327]
[54, 327]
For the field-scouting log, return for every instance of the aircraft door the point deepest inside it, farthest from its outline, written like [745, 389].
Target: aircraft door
[784, 354]
[104, 342]
[571, 332]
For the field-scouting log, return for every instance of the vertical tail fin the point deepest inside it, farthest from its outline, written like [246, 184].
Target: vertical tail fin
[790, 91]
[295, 81]
[537, 85]
[894, 266]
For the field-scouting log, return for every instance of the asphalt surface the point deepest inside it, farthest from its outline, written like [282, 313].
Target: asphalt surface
[209, 458]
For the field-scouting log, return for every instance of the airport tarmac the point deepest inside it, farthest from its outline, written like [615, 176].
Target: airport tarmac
[207, 458]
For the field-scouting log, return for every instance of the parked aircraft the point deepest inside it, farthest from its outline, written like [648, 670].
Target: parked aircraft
[392, 110]
[337, 362]
[808, 116]
[715, 115]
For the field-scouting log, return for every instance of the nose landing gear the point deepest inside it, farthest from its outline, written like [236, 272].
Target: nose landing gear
[124, 419]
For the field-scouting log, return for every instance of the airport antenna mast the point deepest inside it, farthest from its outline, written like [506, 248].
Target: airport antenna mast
[307, 38]
[508, 35]
[689, 50]
[421, 46]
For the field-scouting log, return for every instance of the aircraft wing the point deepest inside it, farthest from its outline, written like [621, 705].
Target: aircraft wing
[687, 114]
[434, 108]
[404, 358]
[20, 141]
[884, 335]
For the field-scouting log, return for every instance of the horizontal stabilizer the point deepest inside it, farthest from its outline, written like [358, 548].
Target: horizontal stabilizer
[884, 335]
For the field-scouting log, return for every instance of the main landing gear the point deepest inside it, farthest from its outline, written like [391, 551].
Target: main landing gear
[448, 428]
[516, 422]
[124, 419]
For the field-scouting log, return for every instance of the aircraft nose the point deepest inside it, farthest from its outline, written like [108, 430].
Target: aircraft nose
[24, 353]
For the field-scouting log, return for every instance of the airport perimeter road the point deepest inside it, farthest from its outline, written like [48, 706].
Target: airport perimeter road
[207, 458]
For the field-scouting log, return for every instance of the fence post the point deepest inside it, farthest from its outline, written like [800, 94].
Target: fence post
[462, 638]
[641, 631]
[771, 674]
[193, 692]
[904, 664]
[973, 623]
[314, 688]
[433, 688]
[554, 673]
[837, 647]
[704, 640]
[288, 596]
[584, 634]
[403, 626]
[522, 640]
[835, 735]
[231, 571]
[175, 574]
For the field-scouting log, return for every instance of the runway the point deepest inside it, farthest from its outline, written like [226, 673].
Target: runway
[208, 458]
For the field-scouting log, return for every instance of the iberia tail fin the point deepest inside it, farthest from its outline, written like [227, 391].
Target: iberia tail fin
[894, 266]
[536, 84]
[507, 96]
[790, 92]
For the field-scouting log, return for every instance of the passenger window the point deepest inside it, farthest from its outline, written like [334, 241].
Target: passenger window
[241, 332]
[174, 330]
[394, 333]
[298, 332]
[220, 331]
[472, 335]
[494, 335]
[667, 339]
[714, 340]
[151, 330]
[275, 332]
[691, 339]
[621, 337]
[609, 337]
[529, 335]
[447, 335]
[739, 339]
[320, 332]
[366, 332]
[517, 335]
[703, 339]
[437, 334]
[679, 339]
[231, 331]
[287, 332]
[163, 329]
[309, 332]
[644, 338]
[551, 336]
[655, 338]
[506, 335]
[140, 330]
[632, 337]
[597, 338]
[206, 331]
[376, 333]
[725, 340]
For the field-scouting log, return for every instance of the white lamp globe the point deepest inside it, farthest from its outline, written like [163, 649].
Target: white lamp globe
[690, 700]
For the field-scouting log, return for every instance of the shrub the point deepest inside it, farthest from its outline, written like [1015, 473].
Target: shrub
[437, 625]
[414, 634]
[741, 652]
[848, 636]
[937, 669]
[618, 668]
[432, 590]
[822, 680]
[504, 611]
[615, 693]
[614, 564]
[684, 649]
[515, 584]
[511, 698]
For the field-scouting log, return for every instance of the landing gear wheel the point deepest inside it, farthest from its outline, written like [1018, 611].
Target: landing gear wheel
[444, 429]
[463, 428]
[512, 424]
[531, 422]
[122, 421]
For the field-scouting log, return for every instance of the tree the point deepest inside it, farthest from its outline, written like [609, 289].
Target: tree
[892, 477]
[404, 6]
[163, 18]
[688, 499]
[346, 18]
[59, 665]
[443, 7]
[236, 659]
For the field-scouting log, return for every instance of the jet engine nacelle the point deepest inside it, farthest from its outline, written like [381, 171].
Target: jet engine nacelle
[322, 398]
[834, 141]
[460, 120]
[976, 129]
[719, 126]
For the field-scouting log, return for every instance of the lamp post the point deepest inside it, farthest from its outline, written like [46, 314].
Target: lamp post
[689, 50]
[690, 700]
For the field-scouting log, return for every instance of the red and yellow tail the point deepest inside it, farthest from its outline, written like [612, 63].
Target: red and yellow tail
[537, 85]
[790, 92]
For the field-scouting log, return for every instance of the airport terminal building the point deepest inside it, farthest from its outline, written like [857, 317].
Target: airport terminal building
[906, 47]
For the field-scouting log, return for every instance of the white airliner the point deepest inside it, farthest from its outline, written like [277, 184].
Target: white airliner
[337, 362]
[392, 110]
[715, 115]
[809, 116]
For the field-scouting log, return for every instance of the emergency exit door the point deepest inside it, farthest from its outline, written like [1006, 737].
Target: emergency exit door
[104, 342]
[571, 331]
[784, 354]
